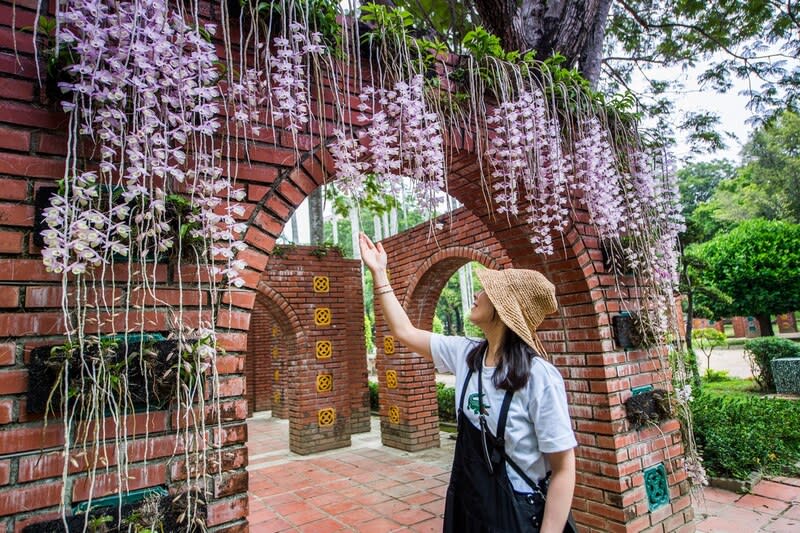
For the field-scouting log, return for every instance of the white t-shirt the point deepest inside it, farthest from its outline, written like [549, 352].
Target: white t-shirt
[538, 419]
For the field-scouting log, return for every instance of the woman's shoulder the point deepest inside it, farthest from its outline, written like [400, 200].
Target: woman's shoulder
[543, 372]
[454, 341]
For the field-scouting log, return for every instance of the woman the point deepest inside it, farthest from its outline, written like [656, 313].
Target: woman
[498, 484]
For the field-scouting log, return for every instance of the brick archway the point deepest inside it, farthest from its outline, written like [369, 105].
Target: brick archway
[421, 261]
[275, 333]
[277, 178]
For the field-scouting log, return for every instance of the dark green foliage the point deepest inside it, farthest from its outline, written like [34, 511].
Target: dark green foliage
[374, 404]
[446, 397]
[737, 436]
[760, 352]
[757, 265]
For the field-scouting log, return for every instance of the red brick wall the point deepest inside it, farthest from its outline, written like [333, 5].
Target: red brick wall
[745, 327]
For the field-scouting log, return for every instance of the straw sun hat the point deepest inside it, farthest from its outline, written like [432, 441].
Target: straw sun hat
[522, 298]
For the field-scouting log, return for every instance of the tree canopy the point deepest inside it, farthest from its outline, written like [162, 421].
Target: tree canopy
[758, 265]
[609, 42]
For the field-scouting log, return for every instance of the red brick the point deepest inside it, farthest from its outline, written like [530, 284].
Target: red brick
[6, 411]
[273, 155]
[279, 207]
[260, 240]
[23, 498]
[232, 341]
[13, 189]
[33, 167]
[21, 114]
[23, 42]
[10, 242]
[245, 299]
[12, 138]
[8, 353]
[13, 381]
[294, 196]
[9, 297]
[25, 324]
[22, 439]
[254, 173]
[16, 214]
[105, 484]
[220, 512]
[233, 319]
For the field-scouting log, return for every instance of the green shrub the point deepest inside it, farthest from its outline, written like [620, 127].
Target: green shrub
[446, 397]
[737, 436]
[374, 405]
[715, 376]
[761, 351]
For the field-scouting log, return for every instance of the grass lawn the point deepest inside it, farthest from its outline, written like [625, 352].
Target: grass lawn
[732, 387]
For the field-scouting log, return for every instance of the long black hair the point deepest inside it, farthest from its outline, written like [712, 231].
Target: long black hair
[513, 368]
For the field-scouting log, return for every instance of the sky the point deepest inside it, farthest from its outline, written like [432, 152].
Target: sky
[731, 107]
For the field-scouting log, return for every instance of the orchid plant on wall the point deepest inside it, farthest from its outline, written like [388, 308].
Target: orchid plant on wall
[144, 97]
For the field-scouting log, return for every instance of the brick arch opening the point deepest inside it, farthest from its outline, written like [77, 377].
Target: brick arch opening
[276, 333]
[421, 261]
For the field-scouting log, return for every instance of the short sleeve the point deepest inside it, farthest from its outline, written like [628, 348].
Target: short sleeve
[549, 412]
[448, 351]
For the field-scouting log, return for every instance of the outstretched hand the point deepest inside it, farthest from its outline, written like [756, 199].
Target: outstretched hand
[373, 255]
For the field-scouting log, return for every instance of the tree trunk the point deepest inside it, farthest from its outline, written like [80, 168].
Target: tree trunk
[295, 230]
[591, 57]
[765, 325]
[354, 230]
[315, 219]
[549, 26]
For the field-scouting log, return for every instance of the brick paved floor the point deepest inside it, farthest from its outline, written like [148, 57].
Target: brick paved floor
[372, 488]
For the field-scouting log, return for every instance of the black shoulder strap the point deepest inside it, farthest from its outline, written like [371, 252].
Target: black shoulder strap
[501, 421]
[464, 390]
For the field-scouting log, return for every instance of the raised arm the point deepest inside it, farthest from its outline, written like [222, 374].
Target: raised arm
[374, 257]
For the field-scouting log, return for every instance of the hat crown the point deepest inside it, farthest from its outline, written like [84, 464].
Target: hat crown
[521, 297]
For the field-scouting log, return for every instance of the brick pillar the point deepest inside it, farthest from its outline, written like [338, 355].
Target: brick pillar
[327, 396]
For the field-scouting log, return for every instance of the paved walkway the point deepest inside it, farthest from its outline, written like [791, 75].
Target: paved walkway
[372, 488]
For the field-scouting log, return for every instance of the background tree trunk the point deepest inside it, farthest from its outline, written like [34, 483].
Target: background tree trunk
[573, 29]
[765, 325]
[315, 219]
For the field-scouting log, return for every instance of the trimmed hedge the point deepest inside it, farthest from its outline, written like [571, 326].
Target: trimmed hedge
[761, 351]
[373, 396]
[446, 397]
[737, 436]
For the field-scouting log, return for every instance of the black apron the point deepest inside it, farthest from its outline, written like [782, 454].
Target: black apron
[481, 498]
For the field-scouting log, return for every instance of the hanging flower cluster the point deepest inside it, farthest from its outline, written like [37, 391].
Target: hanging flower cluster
[145, 90]
[249, 94]
[347, 153]
[597, 178]
[529, 166]
[405, 141]
[291, 103]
